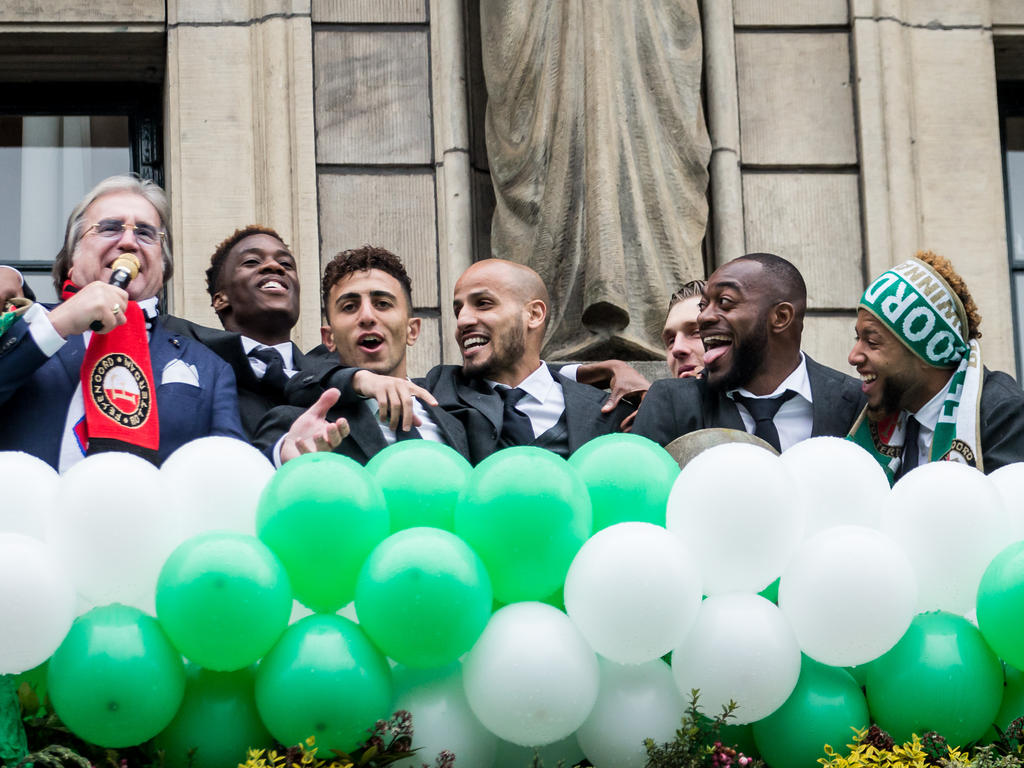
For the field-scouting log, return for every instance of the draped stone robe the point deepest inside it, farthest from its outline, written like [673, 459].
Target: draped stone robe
[598, 153]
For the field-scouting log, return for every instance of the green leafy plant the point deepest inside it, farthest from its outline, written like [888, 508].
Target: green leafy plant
[697, 743]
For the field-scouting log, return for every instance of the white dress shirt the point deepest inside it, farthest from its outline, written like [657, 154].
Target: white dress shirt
[795, 417]
[544, 401]
[928, 418]
[258, 366]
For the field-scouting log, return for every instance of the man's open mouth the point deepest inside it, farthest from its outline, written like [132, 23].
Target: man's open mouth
[715, 346]
[371, 342]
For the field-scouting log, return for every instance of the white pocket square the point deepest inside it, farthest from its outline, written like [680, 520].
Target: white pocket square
[179, 372]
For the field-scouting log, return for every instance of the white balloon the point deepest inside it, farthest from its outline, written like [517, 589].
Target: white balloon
[218, 482]
[633, 590]
[531, 678]
[30, 493]
[633, 703]
[37, 602]
[951, 522]
[838, 482]
[1009, 481]
[114, 529]
[441, 717]
[565, 751]
[850, 593]
[735, 509]
[741, 648]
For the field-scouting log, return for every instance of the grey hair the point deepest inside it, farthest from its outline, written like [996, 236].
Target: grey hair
[76, 221]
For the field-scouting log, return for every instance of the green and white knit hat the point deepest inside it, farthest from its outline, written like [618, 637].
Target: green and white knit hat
[914, 302]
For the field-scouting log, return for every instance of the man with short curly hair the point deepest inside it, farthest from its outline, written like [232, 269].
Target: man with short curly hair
[254, 289]
[929, 397]
[369, 328]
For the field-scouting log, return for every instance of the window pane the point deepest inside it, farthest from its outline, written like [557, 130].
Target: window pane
[47, 164]
[1018, 316]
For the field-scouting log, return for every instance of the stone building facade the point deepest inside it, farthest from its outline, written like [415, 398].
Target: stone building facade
[846, 135]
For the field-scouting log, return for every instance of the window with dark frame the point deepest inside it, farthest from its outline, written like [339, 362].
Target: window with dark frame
[56, 142]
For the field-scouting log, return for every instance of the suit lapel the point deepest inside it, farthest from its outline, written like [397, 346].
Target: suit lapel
[365, 431]
[488, 403]
[71, 356]
[581, 411]
[727, 415]
[451, 428]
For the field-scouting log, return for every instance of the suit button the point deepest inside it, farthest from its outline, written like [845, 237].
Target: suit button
[308, 380]
[494, 434]
[8, 344]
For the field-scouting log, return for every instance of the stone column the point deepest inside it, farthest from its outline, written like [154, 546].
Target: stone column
[930, 149]
[240, 140]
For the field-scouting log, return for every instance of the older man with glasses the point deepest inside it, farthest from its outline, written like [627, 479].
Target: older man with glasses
[98, 371]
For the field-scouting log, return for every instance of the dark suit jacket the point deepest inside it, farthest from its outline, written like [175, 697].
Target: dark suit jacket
[675, 407]
[480, 410]
[35, 392]
[365, 439]
[254, 399]
[1002, 421]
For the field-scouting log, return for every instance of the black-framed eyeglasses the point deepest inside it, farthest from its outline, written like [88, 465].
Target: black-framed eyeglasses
[146, 234]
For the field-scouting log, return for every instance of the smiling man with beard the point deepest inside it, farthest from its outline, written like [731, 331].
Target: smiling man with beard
[504, 393]
[929, 396]
[756, 378]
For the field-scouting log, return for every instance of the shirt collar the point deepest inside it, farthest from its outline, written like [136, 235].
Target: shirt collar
[284, 348]
[537, 385]
[928, 414]
[797, 381]
[150, 308]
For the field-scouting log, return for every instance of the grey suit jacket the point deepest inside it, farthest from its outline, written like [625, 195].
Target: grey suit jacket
[675, 407]
[479, 409]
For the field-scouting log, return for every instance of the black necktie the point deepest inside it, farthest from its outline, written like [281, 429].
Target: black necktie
[910, 450]
[410, 434]
[274, 377]
[515, 425]
[763, 409]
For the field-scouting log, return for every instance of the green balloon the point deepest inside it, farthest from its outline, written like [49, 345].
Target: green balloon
[223, 599]
[1012, 705]
[940, 676]
[423, 597]
[771, 592]
[1001, 605]
[116, 680]
[216, 723]
[526, 512]
[421, 481]
[823, 708]
[324, 678]
[322, 514]
[628, 477]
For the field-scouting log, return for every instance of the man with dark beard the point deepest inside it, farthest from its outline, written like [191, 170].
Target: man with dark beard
[503, 393]
[755, 378]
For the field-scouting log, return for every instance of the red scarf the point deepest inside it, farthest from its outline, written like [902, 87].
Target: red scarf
[117, 387]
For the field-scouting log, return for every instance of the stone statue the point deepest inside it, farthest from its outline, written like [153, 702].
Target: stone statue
[598, 153]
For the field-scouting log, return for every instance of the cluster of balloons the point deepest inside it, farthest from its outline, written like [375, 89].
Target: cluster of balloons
[528, 602]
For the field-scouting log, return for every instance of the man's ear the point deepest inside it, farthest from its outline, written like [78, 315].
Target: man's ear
[327, 337]
[536, 314]
[220, 302]
[413, 330]
[782, 316]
